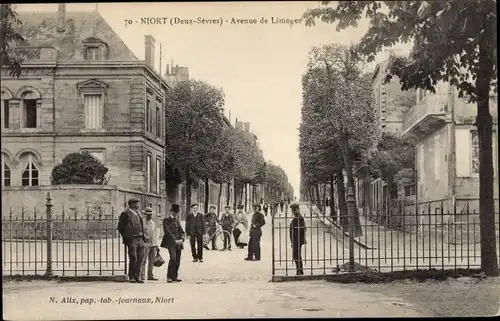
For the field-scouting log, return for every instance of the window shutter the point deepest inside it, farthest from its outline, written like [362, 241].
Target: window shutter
[463, 152]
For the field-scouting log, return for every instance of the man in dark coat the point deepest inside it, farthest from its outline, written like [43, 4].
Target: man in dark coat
[258, 221]
[282, 205]
[211, 221]
[227, 222]
[297, 237]
[131, 228]
[195, 229]
[173, 239]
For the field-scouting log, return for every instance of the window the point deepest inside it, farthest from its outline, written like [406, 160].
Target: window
[97, 153]
[29, 175]
[5, 172]
[29, 113]
[5, 113]
[474, 152]
[93, 53]
[148, 173]
[158, 172]
[421, 167]
[409, 190]
[158, 211]
[93, 111]
[437, 157]
[158, 119]
[148, 114]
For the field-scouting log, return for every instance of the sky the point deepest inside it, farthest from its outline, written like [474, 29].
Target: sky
[259, 66]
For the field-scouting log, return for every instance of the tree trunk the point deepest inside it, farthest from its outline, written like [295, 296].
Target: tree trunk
[333, 212]
[324, 198]
[207, 193]
[219, 198]
[188, 192]
[317, 196]
[484, 123]
[344, 215]
[344, 145]
[228, 197]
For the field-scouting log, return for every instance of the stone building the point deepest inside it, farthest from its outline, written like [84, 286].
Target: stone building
[82, 89]
[447, 149]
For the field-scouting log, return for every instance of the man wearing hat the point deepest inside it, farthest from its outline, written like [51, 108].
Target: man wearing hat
[258, 221]
[150, 244]
[131, 228]
[297, 237]
[173, 239]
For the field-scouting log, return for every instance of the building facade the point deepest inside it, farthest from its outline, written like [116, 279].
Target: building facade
[447, 149]
[83, 89]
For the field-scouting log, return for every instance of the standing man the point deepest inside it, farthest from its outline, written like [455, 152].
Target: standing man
[211, 221]
[266, 208]
[173, 240]
[150, 245]
[195, 228]
[297, 237]
[258, 221]
[227, 222]
[131, 228]
[282, 204]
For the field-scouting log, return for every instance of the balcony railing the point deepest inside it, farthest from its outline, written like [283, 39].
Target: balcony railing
[425, 112]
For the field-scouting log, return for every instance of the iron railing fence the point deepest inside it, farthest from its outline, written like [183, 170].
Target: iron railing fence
[441, 237]
[62, 242]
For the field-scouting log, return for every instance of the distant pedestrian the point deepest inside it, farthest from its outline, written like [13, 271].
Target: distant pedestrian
[297, 237]
[227, 222]
[211, 221]
[241, 228]
[131, 228]
[195, 229]
[173, 241]
[282, 205]
[266, 208]
[150, 245]
[258, 221]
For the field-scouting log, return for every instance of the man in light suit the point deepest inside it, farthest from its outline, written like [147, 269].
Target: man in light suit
[131, 228]
[150, 245]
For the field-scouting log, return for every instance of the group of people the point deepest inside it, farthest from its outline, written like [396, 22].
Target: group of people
[139, 235]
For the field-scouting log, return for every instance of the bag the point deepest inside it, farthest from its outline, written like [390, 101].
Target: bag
[159, 261]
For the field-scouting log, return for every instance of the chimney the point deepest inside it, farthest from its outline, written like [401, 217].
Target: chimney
[61, 18]
[168, 70]
[149, 53]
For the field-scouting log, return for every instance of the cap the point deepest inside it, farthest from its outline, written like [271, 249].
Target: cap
[132, 201]
[148, 210]
[193, 205]
[294, 205]
[175, 208]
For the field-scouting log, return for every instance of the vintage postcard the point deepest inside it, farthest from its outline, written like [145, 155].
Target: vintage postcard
[249, 160]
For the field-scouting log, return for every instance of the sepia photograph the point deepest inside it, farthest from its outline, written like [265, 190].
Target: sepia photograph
[249, 159]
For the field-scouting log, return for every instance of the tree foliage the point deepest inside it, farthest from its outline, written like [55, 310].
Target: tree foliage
[249, 159]
[9, 37]
[79, 168]
[453, 41]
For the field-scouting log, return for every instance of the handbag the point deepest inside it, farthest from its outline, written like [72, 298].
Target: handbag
[159, 261]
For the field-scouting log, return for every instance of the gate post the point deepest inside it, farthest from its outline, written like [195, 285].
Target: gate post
[48, 209]
[273, 248]
[351, 203]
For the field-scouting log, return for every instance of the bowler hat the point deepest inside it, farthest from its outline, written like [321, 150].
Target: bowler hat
[174, 208]
[132, 201]
[294, 205]
[148, 210]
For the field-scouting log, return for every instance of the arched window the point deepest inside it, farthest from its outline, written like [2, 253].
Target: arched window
[6, 173]
[29, 176]
[29, 114]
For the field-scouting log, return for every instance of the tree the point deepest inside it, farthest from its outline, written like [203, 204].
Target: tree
[337, 87]
[453, 41]
[79, 168]
[193, 112]
[9, 37]
[248, 159]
